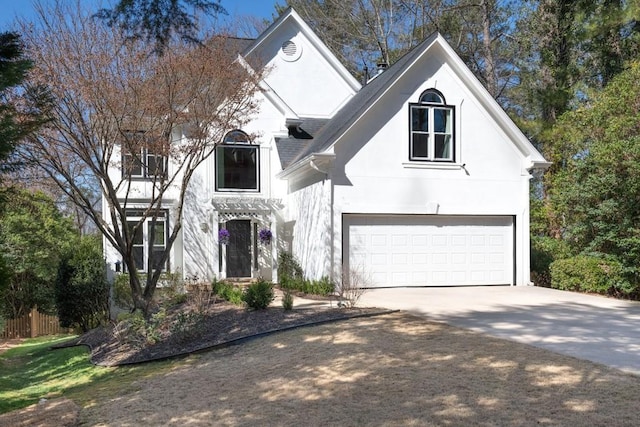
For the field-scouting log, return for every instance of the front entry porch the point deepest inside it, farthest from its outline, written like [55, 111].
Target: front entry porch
[243, 251]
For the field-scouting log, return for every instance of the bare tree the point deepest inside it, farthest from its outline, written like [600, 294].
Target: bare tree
[118, 111]
[482, 32]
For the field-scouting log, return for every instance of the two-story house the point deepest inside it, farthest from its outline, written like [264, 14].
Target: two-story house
[417, 178]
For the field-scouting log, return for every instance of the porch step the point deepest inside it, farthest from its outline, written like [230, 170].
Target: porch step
[242, 282]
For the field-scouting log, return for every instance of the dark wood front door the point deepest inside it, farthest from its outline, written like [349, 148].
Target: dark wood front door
[239, 248]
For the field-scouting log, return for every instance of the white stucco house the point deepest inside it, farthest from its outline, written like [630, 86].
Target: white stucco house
[417, 178]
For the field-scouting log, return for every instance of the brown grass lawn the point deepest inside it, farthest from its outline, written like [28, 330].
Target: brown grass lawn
[388, 370]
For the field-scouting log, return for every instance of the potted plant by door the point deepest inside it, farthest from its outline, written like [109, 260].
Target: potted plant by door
[265, 236]
[223, 236]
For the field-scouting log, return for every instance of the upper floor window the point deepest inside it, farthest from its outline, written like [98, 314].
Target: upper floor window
[431, 133]
[142, 158]
[237, 163]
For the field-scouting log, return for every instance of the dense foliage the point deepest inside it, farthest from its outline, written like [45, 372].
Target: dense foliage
[590, 274]
[597, 192]
[16, 120]
[34, 236]
[81, 288]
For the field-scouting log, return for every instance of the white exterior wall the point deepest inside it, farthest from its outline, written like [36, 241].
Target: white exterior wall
[309, 209]
[309, 85]
[372, 173]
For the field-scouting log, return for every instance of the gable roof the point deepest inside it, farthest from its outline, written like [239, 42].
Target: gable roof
[364, 100]
[291, 15]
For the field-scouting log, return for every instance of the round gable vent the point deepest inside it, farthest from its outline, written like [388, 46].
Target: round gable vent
[290, 51]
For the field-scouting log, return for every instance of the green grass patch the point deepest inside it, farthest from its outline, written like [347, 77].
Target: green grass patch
[32, 371]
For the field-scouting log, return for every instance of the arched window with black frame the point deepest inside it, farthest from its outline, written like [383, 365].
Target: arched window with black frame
[237, 163]
[431, 128]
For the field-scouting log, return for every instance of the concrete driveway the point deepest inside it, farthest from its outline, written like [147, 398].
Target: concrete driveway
[594, 328]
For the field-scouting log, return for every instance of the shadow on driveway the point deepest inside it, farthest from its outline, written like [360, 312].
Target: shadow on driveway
[594, 328]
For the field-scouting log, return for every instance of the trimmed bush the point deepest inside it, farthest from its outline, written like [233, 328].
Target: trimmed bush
[258, 295]
[585, 273]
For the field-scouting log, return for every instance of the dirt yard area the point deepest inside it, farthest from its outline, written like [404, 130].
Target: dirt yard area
[388, 370]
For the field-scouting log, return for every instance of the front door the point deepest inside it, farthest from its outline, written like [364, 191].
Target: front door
[239, 248]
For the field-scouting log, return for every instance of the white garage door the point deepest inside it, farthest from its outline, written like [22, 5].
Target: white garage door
[418, 250]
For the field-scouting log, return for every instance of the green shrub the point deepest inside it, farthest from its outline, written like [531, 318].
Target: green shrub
[135, 330]
[186, 325]
[287, 301]
[544, 251]
[258, 295]
[81, 287]
[585, 273]
[289, 268]
[122, 291]
[323, 287]
[229, 292]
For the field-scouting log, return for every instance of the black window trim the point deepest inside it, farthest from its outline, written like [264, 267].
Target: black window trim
[242, 145]
[430, 105]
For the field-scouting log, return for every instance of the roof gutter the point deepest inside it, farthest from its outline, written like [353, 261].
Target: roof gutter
[318, 162]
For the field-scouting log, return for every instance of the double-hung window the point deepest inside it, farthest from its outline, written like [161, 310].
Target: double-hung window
[237, 163]
[143, 158]
[149, 237]
[431, 129]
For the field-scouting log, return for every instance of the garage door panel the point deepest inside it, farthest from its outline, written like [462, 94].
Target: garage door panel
[427, 250]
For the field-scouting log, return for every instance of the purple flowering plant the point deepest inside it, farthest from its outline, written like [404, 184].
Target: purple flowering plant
[223, 236]
[265, 236]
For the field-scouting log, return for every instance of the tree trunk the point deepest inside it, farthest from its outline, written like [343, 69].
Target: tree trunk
[490, 67]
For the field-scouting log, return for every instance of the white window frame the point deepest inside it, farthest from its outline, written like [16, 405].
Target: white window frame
[133, 217]
[141, 161]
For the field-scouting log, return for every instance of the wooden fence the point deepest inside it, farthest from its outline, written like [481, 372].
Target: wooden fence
[32, 325]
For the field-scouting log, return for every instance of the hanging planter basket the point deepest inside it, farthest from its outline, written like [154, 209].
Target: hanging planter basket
[265, 236]
[223, 236]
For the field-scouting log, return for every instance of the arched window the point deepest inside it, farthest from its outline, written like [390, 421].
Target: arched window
[237, 163]
[431, 128]
[432, 96]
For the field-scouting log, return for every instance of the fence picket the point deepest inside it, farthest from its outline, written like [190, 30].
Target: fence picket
[32, 325]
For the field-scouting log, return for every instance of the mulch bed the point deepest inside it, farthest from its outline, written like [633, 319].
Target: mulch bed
[223, 324]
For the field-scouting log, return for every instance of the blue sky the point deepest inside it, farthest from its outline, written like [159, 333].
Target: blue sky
[259, 8]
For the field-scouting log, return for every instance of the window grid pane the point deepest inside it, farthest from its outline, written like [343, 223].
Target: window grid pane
[420, 146]
[443, 147]
[158, 232]
[420, 119]
[431, 133]
[140, 250]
